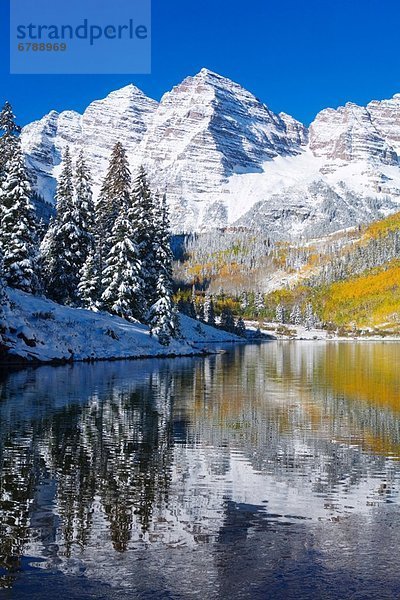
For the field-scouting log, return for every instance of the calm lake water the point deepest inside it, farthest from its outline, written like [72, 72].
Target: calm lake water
[271, 471]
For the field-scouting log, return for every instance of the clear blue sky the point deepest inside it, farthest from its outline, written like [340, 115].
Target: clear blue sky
[297, 56]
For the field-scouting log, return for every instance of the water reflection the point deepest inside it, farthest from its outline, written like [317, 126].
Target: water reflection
[218, 477]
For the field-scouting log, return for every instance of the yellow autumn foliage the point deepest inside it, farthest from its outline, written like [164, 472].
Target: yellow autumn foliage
[382, 227]
[369, 299]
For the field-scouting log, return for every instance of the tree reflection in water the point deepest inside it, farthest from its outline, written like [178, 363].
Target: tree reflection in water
[183, 453]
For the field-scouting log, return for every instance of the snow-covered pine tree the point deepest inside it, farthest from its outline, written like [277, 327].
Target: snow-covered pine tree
[227, 321]
[146, 217]
[199, 312]
[209, 312]
[280, 314]
[198, 307]
[309, 319]
[241, 328]
[61, 248]
[244, 301]
[259, 303]
[87, 262]
[186, 307]
[9, 131]
[176, 320]
[89, 288]
[295, 315]
[161, 314]
[84, 205]
[19, 227]
[113, 198]
[123, 287]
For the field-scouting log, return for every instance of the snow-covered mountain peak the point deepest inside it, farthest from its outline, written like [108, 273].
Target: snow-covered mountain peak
[296, 131]
[204, 130]
[350, 133]
[204, 72]
[218, 150]
[212, 78]
[128, 93]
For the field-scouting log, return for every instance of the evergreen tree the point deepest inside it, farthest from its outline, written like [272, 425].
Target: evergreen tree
[113, 198]
[209, 312]
[259, 303]
[241, 328]
[87, 262]
[84, 207]
[244, 302]
[176, 321]
[199, 312]
[161, 314]
[186, 307]
[18, 231]
[146, 216]
[280, 314]
[89, 288]
[9, 138]
[122, 274]
[62, 254]
[309, 319]
[227, 321]
[295, 315]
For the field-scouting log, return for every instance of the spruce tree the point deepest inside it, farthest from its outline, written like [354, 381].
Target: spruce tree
[199, 312]
[280, 314]
[69, 240]
[309, 318]
[87, 261]
[9, 137]
[122, 274]
[196, 309]
[295, 315]
[259, 303]
[84, 207]
[147, 218]
[176, 322]
[89, 287]
[161, 314]
[209, 312]
[186, 307]
[241, 328]
[19, 227]
[227, 321]
[114, 198]
[61, 251]
[244, 302]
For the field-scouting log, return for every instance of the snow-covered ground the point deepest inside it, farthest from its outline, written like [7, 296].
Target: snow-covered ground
[41, 330]
[299, 332]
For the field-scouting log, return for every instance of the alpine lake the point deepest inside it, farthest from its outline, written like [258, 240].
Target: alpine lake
[268, 470]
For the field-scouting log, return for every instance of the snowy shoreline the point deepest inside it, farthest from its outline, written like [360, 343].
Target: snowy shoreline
[39, 331]
[301, 334]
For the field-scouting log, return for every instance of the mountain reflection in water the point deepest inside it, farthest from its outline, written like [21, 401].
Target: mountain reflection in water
[270, 471]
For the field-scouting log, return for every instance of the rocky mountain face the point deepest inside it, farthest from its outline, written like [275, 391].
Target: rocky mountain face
[350, 133]
[124, 115]
[224, 158]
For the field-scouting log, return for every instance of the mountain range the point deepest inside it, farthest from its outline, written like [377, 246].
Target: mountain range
[225, 159]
